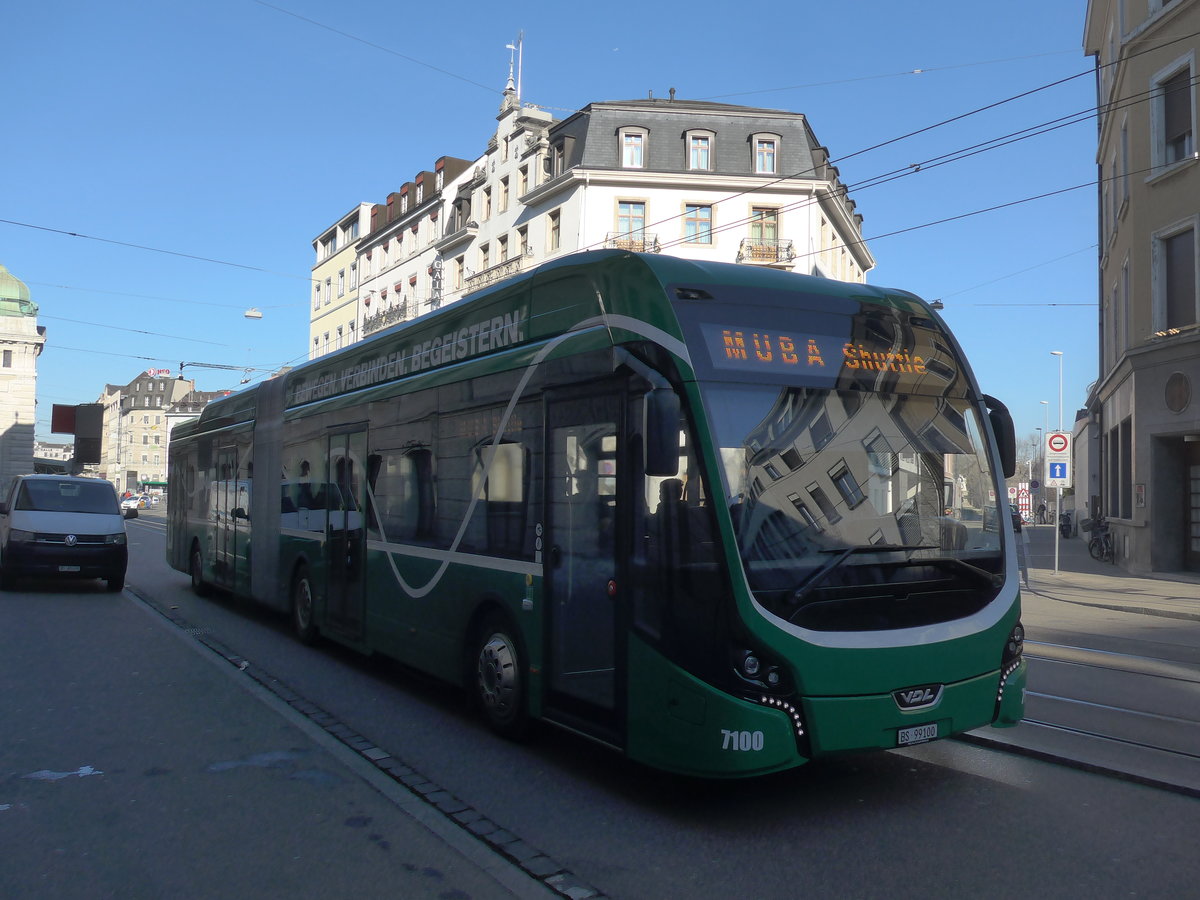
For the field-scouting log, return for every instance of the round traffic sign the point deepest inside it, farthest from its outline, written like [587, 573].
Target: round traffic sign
[1057, 442]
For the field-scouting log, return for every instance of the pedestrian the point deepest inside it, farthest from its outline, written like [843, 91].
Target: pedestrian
[1042, 514]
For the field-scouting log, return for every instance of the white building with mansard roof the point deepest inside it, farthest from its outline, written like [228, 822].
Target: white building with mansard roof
[706, 181]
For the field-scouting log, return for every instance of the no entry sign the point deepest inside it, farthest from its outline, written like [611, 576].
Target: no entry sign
[1058, 459]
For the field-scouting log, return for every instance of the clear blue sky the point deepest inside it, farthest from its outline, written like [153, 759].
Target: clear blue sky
[230, 133]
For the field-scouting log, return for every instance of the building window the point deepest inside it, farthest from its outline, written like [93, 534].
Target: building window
[843, 479]
[764, 224]
[352, 231]
[1172, 114]
[631, 219]
[317, 296]
[484, 254]
[341, 282]
[553, 231]
[764, 155]
[420, 193]
[502, 249]
[522, 180]
[7, 359]
[697, 224]
[353, 275]
[328, 291]
[459, 265]
[700, 151]
[633, 148]
[1175, 279]
[485, 204]
[502, 199]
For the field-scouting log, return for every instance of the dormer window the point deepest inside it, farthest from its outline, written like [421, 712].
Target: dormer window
[766, 153]
[633, 148]
[420, 193]
[700, 150]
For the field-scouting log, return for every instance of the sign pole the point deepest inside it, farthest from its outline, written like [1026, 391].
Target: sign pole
[1057, 530]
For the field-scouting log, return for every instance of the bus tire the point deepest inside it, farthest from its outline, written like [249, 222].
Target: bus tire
[196, 570]
[497, 677]
[303, 624]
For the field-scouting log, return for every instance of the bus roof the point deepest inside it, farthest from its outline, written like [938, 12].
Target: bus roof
[575, 289]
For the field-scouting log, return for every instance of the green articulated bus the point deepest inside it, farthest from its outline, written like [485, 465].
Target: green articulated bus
[722, 518]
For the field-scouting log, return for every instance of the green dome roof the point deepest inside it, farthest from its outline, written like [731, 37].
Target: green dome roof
[14, 296]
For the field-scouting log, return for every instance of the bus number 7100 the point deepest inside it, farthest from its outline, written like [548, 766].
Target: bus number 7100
[741, 740]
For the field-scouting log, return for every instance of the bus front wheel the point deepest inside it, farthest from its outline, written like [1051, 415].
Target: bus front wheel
[498, 676]
[302, 607]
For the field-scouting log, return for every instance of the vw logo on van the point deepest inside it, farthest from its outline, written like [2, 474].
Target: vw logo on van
[72, 540]
[918, 697]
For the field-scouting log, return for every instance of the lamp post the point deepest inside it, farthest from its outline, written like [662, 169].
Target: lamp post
[1058, 505]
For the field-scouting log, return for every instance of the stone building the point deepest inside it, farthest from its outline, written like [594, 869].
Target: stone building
[21, 343]
[1143, 421]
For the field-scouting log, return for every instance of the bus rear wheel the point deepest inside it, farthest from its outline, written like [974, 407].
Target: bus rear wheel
[498, 677]
[196, 570]
[302, 607]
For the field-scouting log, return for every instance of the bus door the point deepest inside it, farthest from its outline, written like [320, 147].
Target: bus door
[582, 574]
[345, 541]
[221, 503]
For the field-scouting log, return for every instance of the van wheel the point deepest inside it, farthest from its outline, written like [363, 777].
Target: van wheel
[8, 581]
[498, 677]
[196, 568]
[302, 607]
[115, 583]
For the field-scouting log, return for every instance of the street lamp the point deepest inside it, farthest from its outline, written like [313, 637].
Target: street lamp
[1059, 354]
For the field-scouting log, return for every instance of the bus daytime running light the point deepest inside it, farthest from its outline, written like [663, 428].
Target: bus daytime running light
[797, 722]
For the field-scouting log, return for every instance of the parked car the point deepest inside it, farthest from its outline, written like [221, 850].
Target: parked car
[62, 526]
[130, 506]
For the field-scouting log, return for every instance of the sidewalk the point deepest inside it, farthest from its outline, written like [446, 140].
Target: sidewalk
[1081, 579]
[137, 765]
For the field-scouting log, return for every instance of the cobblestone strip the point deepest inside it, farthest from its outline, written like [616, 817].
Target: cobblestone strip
[540, 866]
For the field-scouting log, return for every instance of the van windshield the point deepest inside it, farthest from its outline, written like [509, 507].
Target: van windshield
[68, 496]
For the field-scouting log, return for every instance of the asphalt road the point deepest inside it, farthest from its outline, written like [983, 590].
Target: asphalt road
[944, 819]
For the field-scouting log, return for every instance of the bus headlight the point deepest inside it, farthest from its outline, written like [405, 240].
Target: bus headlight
[758, 670]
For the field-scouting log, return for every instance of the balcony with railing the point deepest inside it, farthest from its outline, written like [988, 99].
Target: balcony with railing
[511, 266]
[635, 241]
[384, 318]
[766, 251]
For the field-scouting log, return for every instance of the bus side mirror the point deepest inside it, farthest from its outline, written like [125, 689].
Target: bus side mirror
[661, 433]
[1006, 434]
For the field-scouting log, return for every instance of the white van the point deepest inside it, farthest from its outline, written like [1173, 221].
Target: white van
[62, 526]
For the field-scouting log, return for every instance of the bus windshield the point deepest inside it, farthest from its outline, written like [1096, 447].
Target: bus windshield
[857, 510]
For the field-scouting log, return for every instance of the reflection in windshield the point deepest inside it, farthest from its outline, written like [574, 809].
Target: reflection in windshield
[811, 473]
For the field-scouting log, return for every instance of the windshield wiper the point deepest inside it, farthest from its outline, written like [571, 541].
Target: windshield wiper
[806, 587]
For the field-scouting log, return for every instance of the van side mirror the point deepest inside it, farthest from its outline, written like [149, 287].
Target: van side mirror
[1006, 434]
[131, 513]
[661, 433]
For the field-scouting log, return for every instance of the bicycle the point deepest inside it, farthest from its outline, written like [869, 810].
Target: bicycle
[1100, 546]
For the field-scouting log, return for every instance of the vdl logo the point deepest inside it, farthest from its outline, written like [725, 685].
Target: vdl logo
[918, 697]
